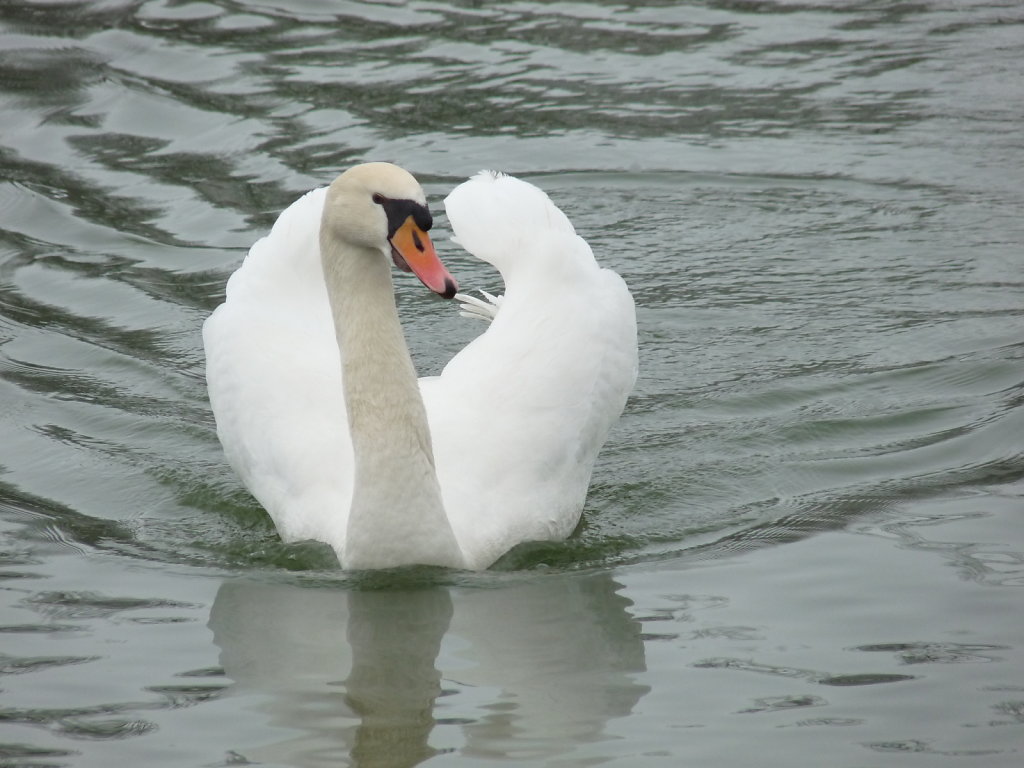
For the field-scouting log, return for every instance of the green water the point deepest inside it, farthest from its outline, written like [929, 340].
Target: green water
[803, 543]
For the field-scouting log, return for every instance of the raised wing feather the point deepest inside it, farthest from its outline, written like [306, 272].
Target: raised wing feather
[274, 377]
[519, 415]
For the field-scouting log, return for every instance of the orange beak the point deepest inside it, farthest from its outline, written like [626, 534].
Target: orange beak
[413, 252]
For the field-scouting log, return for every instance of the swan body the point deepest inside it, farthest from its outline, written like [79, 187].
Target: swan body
[318, 406]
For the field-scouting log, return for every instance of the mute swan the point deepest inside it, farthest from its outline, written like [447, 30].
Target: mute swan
[317, 402]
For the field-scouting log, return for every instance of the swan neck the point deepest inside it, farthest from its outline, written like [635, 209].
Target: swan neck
[379, 377]
[397, 516]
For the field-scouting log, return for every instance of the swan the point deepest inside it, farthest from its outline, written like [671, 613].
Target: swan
[318, 406]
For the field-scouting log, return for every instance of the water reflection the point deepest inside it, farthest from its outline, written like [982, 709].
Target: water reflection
[361, 674]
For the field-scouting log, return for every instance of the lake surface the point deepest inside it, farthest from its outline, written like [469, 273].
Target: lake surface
[804, 542]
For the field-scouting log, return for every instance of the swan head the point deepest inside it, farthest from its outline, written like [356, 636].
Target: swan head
[382, 207]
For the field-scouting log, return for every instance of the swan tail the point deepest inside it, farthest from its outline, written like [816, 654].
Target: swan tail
[478, 309]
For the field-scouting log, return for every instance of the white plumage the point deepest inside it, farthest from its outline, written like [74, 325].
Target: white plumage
[516, 419]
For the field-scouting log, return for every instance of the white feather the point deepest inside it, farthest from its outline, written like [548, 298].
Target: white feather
[475, 309]
[516, 418]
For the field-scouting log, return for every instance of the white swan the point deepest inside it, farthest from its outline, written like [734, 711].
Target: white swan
[316, 399]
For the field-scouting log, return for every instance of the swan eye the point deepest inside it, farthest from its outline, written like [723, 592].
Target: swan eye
[378, 198]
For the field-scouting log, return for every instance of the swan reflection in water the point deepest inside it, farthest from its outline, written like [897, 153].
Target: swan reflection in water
[364, 676]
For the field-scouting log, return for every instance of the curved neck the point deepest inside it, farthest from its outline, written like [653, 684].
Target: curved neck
[397, 517]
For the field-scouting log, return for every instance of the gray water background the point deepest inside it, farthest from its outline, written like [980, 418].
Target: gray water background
[804, 543]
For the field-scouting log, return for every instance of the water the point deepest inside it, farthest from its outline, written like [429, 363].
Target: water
[803, 543]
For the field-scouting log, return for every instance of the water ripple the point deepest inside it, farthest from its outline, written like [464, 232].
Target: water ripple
[815, 208]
